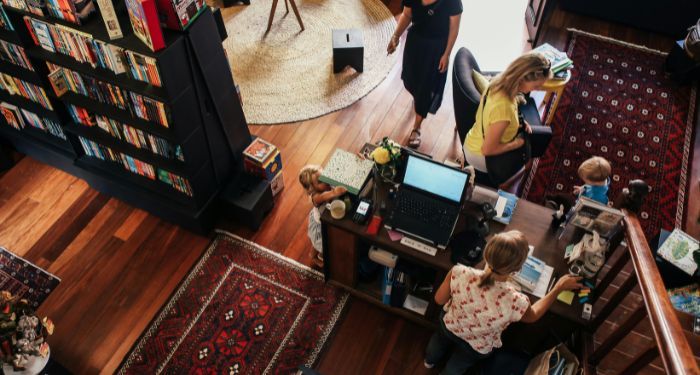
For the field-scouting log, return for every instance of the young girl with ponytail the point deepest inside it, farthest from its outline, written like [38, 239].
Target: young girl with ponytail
[480, 304]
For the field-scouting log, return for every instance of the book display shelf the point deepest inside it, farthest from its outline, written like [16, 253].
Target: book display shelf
[161, 130]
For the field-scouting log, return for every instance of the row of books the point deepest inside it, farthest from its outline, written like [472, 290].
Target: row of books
[102, 152]
[14, 54]
[27, 6]
[131, 135]
[397, 291]
[16, 86]
[83, 48]
[64, 79]
[61, 9]
[5, 23]
[19, 117]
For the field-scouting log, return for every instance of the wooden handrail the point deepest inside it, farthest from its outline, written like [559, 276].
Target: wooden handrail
[673, 347]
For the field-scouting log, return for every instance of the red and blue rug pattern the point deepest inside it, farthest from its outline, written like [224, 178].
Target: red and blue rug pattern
[620, 105]
[25, 280]
[243, 309]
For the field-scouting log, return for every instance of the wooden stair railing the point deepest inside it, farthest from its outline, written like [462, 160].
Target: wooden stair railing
[670, 340]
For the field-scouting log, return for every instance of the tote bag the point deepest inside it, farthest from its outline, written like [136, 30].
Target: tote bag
[556, 361]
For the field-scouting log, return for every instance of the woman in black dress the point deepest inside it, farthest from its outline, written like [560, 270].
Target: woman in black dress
[434, 28]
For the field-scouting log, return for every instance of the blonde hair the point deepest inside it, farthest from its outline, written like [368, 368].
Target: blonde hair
[595, 169]
[529, 67]
[306, 175]
[505, 253]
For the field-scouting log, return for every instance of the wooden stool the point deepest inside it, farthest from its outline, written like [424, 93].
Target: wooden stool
[348, 49]
[294, 8]
[554, 87]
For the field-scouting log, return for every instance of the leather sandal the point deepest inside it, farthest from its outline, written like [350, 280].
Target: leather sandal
[414, 142]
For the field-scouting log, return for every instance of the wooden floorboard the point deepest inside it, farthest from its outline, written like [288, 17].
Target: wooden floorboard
[119, 264]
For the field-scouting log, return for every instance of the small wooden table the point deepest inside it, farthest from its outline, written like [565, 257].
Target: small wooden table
[553, 88]
[294, 8]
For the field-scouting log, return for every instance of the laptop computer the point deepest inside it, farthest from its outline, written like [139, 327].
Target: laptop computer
[428, 201]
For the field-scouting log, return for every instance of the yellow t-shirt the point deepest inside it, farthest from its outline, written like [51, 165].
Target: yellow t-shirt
[499, 107]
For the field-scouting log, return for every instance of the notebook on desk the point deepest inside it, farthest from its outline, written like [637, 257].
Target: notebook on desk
[428, 201]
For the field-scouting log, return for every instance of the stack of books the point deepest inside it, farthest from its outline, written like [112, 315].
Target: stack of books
[559, 60]
[14, 54]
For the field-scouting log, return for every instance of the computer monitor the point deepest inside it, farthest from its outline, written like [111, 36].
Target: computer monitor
[435, 178]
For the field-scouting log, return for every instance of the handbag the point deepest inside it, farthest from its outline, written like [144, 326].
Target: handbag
[556, 361]
[503, 166]
[538, 140]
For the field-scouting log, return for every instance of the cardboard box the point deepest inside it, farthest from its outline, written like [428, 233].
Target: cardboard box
[262, 158]
[277, 183]
[267, 170]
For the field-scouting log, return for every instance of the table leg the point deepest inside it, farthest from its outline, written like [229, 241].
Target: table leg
[272, 15]
[553, 107]
[296, 13]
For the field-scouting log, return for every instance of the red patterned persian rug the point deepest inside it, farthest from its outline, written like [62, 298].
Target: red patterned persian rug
[620, 105]
[242, 309]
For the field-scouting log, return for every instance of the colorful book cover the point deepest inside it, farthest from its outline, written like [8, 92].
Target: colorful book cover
[43, 35]
[259, 150]
[144, 20]
[686, 299]
[678, 249]
[178, 14]
[12, 115]
[109, 16]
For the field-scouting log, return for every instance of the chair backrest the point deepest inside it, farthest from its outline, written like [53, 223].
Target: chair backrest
[465, 96]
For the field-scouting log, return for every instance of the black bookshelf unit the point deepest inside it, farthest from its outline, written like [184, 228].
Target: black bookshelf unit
[175, 171]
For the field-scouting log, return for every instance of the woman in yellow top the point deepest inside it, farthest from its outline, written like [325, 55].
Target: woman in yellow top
[495, 130]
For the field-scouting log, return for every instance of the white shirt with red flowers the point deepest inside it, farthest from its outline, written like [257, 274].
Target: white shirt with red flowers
[478, 315]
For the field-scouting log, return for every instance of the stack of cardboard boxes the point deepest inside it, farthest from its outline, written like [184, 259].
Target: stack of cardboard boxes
[263, 159]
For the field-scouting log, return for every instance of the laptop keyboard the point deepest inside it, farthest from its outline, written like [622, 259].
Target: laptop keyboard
[424, 210]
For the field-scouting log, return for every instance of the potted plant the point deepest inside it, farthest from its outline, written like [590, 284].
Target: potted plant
[22, 334]
[386, 158]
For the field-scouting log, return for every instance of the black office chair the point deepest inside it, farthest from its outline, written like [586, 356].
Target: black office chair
[466, 100]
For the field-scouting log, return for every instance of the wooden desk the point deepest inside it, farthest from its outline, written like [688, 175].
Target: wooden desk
[344, 242]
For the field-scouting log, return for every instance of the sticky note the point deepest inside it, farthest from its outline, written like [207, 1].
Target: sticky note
[583, 300]
[566, 296]
[583, 294]
[585, 290]
[394, 236]
[588, 284]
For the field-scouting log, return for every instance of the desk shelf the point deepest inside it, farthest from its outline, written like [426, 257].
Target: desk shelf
[373, 296]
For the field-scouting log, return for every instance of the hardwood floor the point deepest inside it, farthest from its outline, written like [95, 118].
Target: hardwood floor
[119, 265]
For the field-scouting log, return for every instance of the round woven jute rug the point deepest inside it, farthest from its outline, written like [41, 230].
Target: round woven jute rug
[286, 75]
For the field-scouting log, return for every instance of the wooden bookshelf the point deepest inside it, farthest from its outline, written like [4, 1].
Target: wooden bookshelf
[197, 90]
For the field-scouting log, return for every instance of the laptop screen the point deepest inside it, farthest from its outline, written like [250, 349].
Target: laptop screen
[435, 178]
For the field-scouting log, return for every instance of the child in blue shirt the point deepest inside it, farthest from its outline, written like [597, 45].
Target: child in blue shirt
[595, 173]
